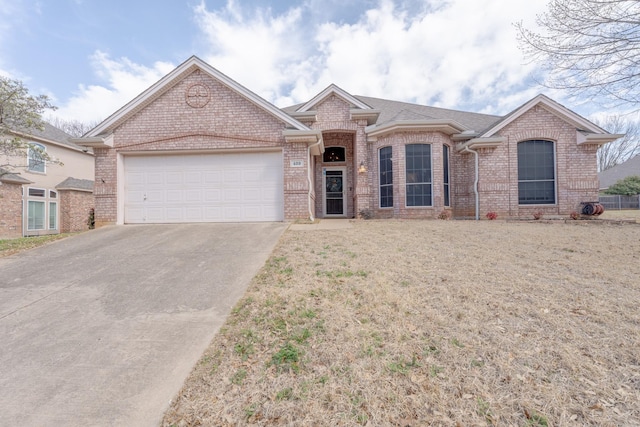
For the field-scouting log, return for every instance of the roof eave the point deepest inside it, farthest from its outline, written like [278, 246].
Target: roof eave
[371, 116]
[95, 141]
[478, 143]
[313, 139]
[597, 138]
[449, 127]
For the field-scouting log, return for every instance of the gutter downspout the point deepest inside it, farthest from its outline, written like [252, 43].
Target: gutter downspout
[475, 183]
[311, 216]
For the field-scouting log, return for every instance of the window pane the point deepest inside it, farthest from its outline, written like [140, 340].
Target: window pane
[36, 192]
[53, 215]
[445, 168]
[334, 154]
[536, 172]
[386, 178]
[35, 216]
[35, 157]
[418, 174]
[419, 195]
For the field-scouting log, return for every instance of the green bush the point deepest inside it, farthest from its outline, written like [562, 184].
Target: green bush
[629, 186]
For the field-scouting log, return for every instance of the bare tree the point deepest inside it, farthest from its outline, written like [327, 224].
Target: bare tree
[616, 152]
[589, 47]
[20, 113]
[74, 128]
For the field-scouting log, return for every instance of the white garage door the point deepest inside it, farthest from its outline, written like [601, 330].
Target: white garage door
[235, 187]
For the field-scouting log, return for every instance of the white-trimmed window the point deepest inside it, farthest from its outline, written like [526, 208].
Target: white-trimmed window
[42, 209]
[53, 216]
[36, 158]
[536, 173]
[418, 170]
[36, 218]
[386, 177]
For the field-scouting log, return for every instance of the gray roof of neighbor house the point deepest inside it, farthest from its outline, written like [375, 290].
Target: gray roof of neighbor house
[6, 176]
[398, 111]
[75, 184]
[53, 134]
[611, 176]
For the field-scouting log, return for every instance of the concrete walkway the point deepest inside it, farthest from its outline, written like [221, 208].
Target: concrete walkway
[324, 224]
[102, 328]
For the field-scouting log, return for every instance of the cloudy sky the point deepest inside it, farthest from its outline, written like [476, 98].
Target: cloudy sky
[94, 56]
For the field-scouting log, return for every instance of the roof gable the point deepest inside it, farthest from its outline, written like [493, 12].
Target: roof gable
[175, 76]
[551, 106]
[329, 91]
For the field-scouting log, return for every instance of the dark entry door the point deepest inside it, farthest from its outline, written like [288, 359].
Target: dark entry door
[334, 192]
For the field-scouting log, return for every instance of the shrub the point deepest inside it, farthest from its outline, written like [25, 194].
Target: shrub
[628, 186]
[444, 215]
[538, 215]
[491, 215]
[574, 215]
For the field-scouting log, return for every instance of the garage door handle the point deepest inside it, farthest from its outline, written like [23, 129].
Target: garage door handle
[144, 197]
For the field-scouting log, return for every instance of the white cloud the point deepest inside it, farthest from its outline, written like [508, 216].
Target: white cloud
[124, 80]
[456, 53]
[449, 53]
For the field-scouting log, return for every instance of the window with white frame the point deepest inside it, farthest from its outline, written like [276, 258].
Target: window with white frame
[418, 171]
[536, 172]
[36, 157]
[42, 209]
[53, 215]
[386, 177]
[36, 218]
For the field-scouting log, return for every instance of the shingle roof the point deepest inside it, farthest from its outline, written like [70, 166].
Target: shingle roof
[76, 184]
[6, 176]
[396, 110]
[611, 176]
[391, 109]
[54, 134]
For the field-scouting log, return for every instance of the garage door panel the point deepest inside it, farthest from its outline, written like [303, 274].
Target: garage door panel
[204, 188]
[174, 178]
[193, 195]
[173, 196]
[212, 195]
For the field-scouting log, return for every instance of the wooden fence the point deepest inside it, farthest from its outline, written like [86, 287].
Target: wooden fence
[620, 202]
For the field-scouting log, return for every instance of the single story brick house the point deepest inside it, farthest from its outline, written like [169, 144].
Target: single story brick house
[199, 147]
[41, 197]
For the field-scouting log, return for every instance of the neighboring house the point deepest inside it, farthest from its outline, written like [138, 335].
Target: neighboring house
[42, 197]
[199, 147]
[612, 175]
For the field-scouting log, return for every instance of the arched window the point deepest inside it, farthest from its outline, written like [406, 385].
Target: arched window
[36, 157]
[418, 170]
[536, 172]
[334, 154]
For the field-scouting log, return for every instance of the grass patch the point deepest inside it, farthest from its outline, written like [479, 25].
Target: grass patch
[13, 246]
[468, 323]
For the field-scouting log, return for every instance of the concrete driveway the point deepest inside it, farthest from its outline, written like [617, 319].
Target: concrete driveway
[102, 328]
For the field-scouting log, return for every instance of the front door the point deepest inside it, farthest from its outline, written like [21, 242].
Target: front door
[334, 201]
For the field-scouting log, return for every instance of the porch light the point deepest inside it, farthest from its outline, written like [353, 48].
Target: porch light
[362, 168]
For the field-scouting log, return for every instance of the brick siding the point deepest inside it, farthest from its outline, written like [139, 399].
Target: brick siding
[229, 121]
[74, 210]
[10, 210]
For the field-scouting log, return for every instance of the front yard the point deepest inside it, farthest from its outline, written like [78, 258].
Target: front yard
[412, 323]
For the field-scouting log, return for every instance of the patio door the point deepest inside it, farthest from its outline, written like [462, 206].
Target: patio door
[333, 194]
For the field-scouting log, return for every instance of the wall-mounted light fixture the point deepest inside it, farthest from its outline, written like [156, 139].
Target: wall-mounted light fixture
[362, 168]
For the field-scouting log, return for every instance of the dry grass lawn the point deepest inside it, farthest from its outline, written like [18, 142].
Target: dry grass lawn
[413, 323]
